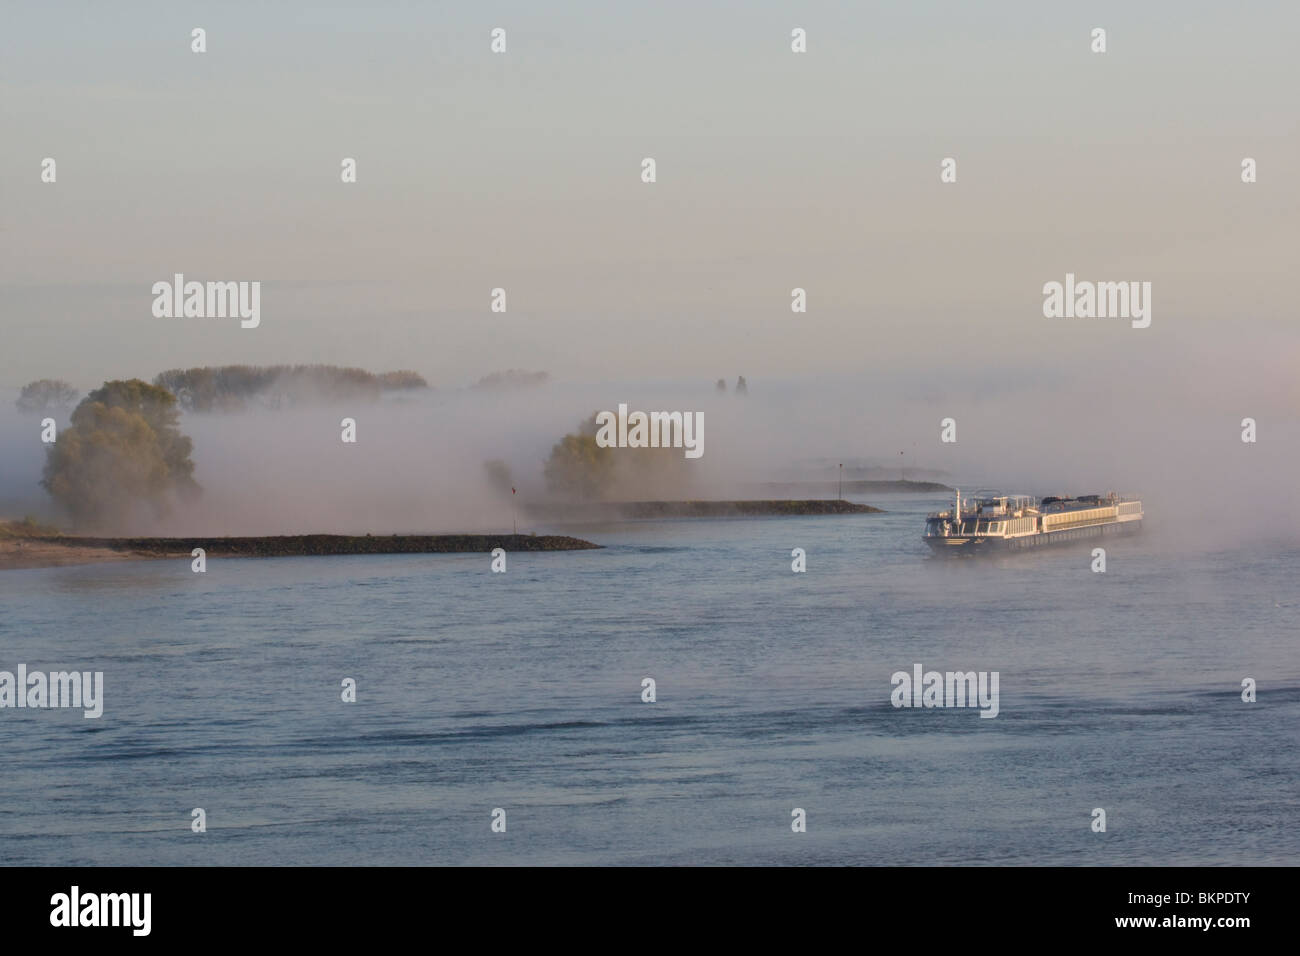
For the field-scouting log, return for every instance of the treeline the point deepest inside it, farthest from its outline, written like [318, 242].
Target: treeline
[232, 388]
[513, 378]
[46, 395]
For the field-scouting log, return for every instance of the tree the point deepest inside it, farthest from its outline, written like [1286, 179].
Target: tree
[741, 387]
[722, 385]
[44, 395]
[578, 467]
[124, 448]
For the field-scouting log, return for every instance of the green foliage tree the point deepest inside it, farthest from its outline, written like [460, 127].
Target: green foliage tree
[46, 394]
[124, 448]
[578, 467]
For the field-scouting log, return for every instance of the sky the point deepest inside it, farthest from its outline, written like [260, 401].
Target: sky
[775, 170]
[521, 171]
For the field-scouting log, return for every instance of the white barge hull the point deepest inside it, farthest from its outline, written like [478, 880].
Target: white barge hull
[960, 545]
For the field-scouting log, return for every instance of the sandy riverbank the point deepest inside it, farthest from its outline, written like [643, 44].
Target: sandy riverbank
[36, 553]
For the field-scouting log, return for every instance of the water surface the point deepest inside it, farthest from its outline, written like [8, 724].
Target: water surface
[523, 691]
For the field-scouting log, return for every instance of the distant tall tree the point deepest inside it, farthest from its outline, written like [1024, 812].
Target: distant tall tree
[124, 448]
[45, 395]
[741, 387]
[722, 385]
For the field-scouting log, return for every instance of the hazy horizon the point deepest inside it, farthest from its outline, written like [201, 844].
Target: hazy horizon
[775, 171]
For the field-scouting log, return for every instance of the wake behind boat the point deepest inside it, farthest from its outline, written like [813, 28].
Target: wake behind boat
[1014, 522]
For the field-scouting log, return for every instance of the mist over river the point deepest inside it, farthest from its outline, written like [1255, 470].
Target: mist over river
[522, 691]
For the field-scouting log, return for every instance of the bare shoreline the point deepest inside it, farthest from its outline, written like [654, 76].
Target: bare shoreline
[57, 551]
[32, 546]
[22, 553]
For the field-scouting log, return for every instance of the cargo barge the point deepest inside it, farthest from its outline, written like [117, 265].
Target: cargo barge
[1016, 522]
